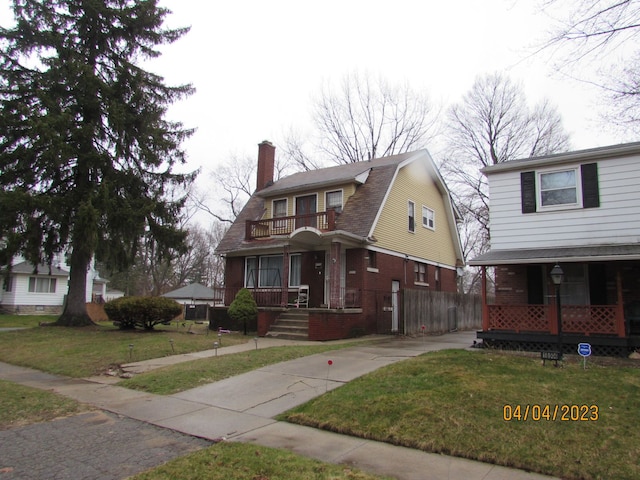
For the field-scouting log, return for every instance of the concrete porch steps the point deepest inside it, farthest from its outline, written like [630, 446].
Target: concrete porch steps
[291, 325]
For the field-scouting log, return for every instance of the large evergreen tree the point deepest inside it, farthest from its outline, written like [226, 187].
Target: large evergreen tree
[86, 155]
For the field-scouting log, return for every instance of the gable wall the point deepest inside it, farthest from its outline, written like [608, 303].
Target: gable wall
[347, 191]
[392, 230]
[616, 220]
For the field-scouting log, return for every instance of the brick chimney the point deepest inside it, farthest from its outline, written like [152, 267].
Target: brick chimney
[266, 161]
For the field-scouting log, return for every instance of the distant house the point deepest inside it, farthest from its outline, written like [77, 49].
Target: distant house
[342, 242]
[578, 210]
[195, 298]
[42, 290]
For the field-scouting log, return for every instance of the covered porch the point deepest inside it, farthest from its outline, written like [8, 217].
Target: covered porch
[599, 299]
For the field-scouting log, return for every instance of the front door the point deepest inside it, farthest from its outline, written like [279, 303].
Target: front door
[305, 207]
[395, 305]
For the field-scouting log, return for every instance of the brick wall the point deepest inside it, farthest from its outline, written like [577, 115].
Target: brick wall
[334, 326]
[511, 285]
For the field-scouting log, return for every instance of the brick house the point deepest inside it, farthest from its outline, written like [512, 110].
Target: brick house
[346, 240]
[578, 210]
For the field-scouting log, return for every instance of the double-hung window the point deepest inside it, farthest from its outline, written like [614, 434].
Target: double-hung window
[428, 218]
[280, 210]
[333, 200]
[420, 272]
[412, 216]
[559, 188]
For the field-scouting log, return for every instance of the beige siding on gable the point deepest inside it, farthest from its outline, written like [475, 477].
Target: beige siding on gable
[413, 183]
[347, 191]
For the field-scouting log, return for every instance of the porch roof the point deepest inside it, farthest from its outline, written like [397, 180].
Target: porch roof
[593, 253]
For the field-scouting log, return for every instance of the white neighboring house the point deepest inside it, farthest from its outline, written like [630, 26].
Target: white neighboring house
[26, 292]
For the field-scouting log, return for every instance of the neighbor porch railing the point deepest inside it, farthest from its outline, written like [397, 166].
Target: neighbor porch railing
[323, 221]
[578, 319]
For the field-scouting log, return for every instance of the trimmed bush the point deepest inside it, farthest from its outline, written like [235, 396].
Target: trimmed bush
[143, 312]
[243, 309]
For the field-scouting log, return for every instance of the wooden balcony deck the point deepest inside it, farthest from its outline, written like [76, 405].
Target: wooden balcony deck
[323, 221]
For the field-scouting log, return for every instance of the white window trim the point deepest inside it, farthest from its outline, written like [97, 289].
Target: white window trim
[291, 269]
[433, 217]
[326, 203]
[564, 206]
[273, 206]
[246, 272]
[260, 269]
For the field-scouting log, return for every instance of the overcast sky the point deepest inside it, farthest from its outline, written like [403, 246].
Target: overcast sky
[256, 64]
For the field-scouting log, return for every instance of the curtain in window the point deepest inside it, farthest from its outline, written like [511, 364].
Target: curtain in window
[271, 271]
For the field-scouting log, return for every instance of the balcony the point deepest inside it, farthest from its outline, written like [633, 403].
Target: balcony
[323, 221]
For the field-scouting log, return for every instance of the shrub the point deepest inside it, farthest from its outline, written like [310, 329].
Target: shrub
[143, 312]
[243, 309]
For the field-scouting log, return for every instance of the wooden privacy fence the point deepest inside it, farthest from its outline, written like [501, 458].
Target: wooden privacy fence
[440, 311]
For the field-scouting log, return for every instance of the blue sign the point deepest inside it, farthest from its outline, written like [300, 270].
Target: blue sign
[584, 349]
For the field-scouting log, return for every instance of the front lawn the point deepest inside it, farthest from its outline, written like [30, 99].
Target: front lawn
[87, 351]
[239, 461]
[24, 405]
[473, 405]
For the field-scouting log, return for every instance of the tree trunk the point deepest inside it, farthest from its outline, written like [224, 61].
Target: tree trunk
[75, 309]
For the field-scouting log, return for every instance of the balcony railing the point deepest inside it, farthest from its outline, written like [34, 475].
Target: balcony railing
[323, 221]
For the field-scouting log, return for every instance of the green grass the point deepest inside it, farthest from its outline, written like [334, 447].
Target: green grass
[87, 351]
[25, 321]
[238, 461]
[183, 376]
[24, 405]
[452, 402]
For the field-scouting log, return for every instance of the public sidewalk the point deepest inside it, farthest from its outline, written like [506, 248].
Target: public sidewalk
[242, 408]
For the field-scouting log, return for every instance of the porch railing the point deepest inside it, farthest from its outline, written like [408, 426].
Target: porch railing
[272, 297]
[579, 319]
[323, 221]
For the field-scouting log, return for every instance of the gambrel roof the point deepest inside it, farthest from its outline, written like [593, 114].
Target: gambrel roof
[374, 179]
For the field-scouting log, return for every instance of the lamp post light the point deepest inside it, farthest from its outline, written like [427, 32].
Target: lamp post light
[557, 275]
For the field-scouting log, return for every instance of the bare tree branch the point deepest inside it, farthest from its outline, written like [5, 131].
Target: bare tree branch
[368, 119]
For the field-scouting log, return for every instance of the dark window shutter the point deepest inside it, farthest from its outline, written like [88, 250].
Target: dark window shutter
[528, 191]
[590, 190]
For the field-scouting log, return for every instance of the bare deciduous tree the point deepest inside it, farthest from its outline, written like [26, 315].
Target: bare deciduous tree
[492, 124]
[367, 119]
[606, 31]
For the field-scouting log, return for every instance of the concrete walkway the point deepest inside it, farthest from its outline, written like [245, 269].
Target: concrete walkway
[242, 408]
